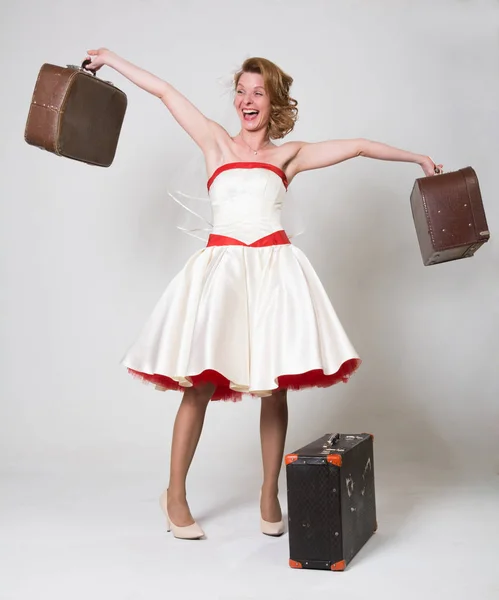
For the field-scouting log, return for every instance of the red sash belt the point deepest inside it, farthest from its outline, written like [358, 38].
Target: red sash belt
[274, 239]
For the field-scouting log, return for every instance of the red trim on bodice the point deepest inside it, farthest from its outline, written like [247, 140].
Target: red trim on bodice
[248, 165]
[277, 238]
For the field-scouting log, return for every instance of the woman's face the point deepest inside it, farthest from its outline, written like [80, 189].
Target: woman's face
[252, 102]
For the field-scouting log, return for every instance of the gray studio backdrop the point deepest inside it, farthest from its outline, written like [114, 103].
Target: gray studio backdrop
[87, 252]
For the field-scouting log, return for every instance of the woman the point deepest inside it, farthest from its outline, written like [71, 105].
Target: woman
[248, 313]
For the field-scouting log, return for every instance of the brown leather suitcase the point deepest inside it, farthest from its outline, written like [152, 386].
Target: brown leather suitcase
[75, 114]
[449, 216]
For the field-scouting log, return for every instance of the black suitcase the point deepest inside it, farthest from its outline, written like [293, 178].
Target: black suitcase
[331, 501]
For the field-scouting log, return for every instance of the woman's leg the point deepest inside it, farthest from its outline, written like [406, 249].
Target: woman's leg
[186, 432]
[273, 427]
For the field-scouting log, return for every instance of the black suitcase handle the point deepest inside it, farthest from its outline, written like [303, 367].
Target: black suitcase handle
[331, 440]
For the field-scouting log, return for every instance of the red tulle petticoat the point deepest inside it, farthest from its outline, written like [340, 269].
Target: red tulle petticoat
[223, 391]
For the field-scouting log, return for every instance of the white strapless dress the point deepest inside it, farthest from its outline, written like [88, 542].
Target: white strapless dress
[248, 312]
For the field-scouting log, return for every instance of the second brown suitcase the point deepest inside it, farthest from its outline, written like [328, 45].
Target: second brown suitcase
[449, 216]
[75, 114]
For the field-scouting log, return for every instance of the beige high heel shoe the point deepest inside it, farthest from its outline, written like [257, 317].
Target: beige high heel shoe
[273, 529]
[190, 532]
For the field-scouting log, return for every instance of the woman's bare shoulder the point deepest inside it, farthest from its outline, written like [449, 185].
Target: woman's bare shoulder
[288, 150]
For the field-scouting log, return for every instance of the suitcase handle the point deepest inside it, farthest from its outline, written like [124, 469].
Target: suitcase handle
[436, 170]
[84, 66]
[332, 439]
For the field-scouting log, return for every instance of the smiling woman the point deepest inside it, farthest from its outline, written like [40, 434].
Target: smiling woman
[262, 90]
[247, 314]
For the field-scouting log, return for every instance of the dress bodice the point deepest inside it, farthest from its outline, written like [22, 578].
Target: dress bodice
[246, 200]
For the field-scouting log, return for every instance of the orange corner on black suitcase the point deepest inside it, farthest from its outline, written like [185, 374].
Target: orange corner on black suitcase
[335, 459]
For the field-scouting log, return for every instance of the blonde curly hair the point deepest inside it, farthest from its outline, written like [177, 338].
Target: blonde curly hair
[283, 108]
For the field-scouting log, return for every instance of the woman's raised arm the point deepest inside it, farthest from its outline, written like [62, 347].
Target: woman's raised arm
[201, 129]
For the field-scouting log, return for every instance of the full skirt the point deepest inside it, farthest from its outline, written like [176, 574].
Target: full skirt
[249, 320]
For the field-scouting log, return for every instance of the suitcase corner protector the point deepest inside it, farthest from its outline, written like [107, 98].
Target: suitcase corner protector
[290, 458]
[294, 564]
[339, 566]
[335, 459]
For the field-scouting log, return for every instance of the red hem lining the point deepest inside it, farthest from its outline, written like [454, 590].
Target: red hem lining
[300, 381]
[248, 165]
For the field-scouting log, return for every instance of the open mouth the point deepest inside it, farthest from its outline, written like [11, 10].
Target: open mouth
[250, 114]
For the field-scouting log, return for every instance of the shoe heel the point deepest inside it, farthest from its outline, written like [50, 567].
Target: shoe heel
[162, 505]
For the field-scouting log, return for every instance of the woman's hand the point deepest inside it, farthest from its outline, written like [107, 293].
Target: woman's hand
[98, 58]
[429, 167]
